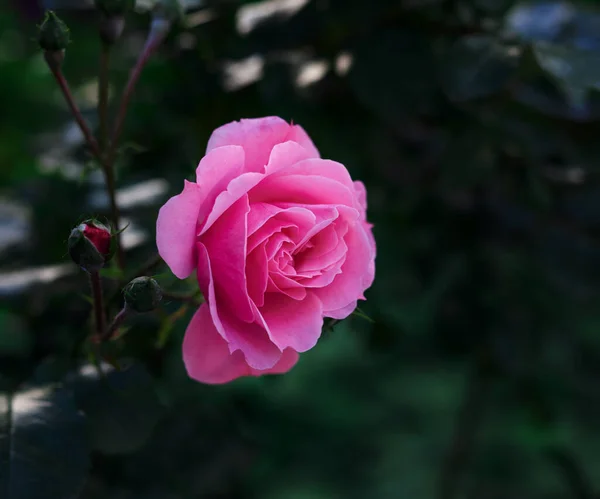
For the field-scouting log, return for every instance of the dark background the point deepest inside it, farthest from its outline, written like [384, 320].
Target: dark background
[475, 127]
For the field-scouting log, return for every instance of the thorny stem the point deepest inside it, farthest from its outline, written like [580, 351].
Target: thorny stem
[157, 33]
[103, 95]
[107, 168]
[64, 87]
[100, 318]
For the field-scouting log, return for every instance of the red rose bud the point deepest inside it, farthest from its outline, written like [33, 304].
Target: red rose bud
[91, 245]
[143, 294]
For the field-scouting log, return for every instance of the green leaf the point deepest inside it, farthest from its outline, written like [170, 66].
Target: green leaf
[576, 70]
[43, 447]
[477, 66]
[122, 407]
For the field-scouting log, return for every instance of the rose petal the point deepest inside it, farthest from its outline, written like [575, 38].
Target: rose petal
[319, 167]
[237, 188]
[258, 137]
[207, 359]
[285, 155]
[288, 360]
[293, 324]
[176, 230]
[352, 281]
[252, 339]
[297, 134]
[361, 195]
[215, 170]
[302, 189]
[226, 245]
[256, 274]
[279, 283]
[342, 313]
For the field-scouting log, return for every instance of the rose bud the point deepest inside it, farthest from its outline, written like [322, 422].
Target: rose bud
[142, 294]
[53, 37]
[113, 21]
[91, 245]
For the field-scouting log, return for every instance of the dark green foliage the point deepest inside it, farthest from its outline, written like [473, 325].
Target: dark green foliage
[43, 445]
[121, 408]
[474, 125]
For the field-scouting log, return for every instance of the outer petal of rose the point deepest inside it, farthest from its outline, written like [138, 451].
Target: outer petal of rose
[342, 313]
[237, 188]
[302, 189]
[355, 276]
[287, 154]
[297, 134]
[293, 324]
[288, 360]
[257, 136]
[206, 354]
[361, 195]
[321, 167]
[207, 358]
[215, 170]
[252, 339]
[226, 242]
[176, 230]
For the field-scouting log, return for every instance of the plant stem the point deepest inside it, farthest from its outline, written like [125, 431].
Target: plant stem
[108, 167]
[103, 95]
[157, 33]
[100, 318]
[192, 298]
[64, 86]
[116, 323]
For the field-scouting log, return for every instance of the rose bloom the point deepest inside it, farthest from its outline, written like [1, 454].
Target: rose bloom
[279, 240]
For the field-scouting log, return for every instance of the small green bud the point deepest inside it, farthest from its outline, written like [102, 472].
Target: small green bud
[53, 35]
[112, 8]
[143, 294]
[111, 29]
[91, 245]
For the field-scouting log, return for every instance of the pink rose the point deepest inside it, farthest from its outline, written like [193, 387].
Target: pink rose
[279, 240]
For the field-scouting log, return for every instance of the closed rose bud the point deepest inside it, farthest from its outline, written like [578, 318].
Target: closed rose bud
[143, 294]
[53, 34]
[91, 245]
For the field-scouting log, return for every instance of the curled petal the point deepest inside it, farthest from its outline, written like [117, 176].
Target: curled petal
[207, 359]
[176, 230]
[258, 137]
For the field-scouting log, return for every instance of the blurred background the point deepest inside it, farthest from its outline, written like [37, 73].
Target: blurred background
[475, 126]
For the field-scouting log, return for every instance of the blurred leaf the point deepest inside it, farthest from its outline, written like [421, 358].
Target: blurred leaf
[477, 66]
[43, 445]
[577, 70]
[122, 408]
